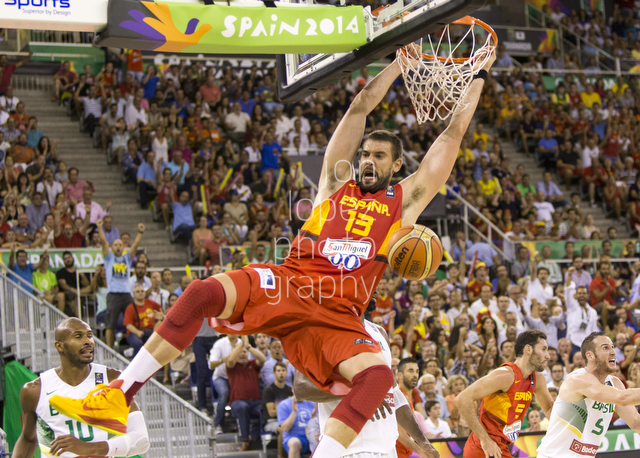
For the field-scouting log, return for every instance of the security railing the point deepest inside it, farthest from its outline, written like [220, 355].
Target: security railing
[27, 325]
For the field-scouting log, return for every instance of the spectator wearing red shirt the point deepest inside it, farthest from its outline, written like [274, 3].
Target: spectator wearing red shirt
[593, 177]
[4, 227]
[7, 69]
[212, 247]
[66, 236]
[475, 285]
[128, 86]
[210, 92]
[604, 287]
[63, 80]
[384, 307]
[134, 64]
[141, 318]
[244, 388]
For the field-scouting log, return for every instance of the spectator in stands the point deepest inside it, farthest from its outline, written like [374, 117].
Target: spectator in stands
[110, 232]
[543, 259]
[178, 166]
[117, 265]
[237, 123]
[141, 318]
[427, 391]
[147, 180]
[557, 375]
[484, 301]
[273, 395]
[244, 388]
[293, 417]
[503, 60]
[95, 209]
[139, 278]
[49, 187]
[486, 253]
[135, 116]
[18, 263]
[582, 319]
[184, 282]
[63, 80]
[21, 153]
[276, 356]
[548, 149]
[130, 161]
[589, 97]
[44, 279]
[24, 232]
[67, 278]
[217, 361]
[539, 288]
[156, 293]
[544, 322]
[604, 289]
[11, 134]
[544, 208]
[183, 214]
[525, 187]
[36, 211]
[74, 188]
[91, 107]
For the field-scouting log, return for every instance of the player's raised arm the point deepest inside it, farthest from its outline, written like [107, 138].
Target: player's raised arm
[499, 380]
[436, 166]
[347, 137]
[585, 385]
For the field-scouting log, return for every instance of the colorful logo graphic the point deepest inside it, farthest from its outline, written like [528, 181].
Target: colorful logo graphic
[163, 29]
[547, 41]
[540, 4]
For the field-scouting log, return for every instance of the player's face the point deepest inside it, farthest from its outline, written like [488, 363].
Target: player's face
[410, 375]
[540, 356]
[376, 166]
[78, 347]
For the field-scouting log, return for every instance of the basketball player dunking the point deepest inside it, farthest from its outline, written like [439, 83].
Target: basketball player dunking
[313, 302]
[506, 394]
[58, 435]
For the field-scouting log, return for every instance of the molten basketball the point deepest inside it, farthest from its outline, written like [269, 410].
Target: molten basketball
[415, 252]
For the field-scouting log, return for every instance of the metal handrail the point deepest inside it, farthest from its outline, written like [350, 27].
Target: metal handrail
[27, 324]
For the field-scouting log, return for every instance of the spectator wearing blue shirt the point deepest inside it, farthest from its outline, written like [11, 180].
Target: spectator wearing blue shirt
[147, 179]
[271, 151]
[548, 149]
[460, 241]
[117, 265]
[293, 417]
[183, 222]
[486, 253]
[19, 265]
[150, 82]
[34, 135]
[37, 211]
[184, 282]
[551, 191]
[111, 233]
[178, 166]
[247, 103]
[503, 60]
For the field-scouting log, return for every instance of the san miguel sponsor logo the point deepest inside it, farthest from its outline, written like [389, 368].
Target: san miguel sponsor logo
[583, 449]
[346, 254]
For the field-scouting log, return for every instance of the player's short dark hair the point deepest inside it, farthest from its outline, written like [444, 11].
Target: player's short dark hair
[279, 364]
[429, 405]
[528, 338]
[403, 362]
[588, 345]
[389, 137]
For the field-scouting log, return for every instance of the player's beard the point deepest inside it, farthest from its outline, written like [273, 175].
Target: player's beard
[78, 359]
[602, 366]
[381, 183]
[538, 364]
[410, 383]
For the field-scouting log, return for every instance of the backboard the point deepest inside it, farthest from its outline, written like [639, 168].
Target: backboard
[388, 29]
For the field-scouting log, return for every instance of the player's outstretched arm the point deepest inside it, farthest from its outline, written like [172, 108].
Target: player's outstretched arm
[305, 390]
[498, 380]
[407, 421]
[28, 441]
[629, 414]
[585, 385]
[347, 137]
[436, 166]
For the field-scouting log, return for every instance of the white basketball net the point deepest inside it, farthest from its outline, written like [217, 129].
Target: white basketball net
[438, 87]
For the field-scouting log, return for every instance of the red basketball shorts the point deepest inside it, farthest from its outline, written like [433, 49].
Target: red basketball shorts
[316, 334]
[473, 449]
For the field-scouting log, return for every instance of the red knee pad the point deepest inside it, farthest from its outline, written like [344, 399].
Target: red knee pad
[369, 390]
[202, 299]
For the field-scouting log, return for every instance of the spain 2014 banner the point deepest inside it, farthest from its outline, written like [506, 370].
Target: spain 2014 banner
[221, 29]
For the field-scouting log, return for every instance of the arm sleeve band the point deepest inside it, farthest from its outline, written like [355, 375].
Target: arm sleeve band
[135, 442]
[399, 398]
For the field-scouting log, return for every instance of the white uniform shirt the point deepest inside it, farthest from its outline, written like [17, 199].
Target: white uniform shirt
[52, 424]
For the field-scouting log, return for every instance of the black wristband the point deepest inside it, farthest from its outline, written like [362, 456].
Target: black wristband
[482, 74]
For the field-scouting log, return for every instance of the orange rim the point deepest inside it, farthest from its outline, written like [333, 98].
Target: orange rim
[467, 20]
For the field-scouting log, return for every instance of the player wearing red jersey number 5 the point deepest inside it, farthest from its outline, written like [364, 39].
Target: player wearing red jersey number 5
[506, 394]
[314, 300]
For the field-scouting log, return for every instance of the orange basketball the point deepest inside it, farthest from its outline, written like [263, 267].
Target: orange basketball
[415, 252]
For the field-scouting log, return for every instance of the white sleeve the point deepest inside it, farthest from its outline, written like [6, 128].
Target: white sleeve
[399, 398]
[569, 301]
[134, 442]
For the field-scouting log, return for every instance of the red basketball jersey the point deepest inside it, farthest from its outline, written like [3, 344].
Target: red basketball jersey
[501, 414]
[341, 251]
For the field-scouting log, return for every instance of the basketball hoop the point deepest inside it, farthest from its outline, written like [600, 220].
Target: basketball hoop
[438, 83]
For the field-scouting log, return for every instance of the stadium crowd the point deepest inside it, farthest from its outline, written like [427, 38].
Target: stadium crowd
[204, 146]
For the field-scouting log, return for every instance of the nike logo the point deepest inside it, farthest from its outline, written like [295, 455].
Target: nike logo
[86, 407]
[50, 392]
[517, 381]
